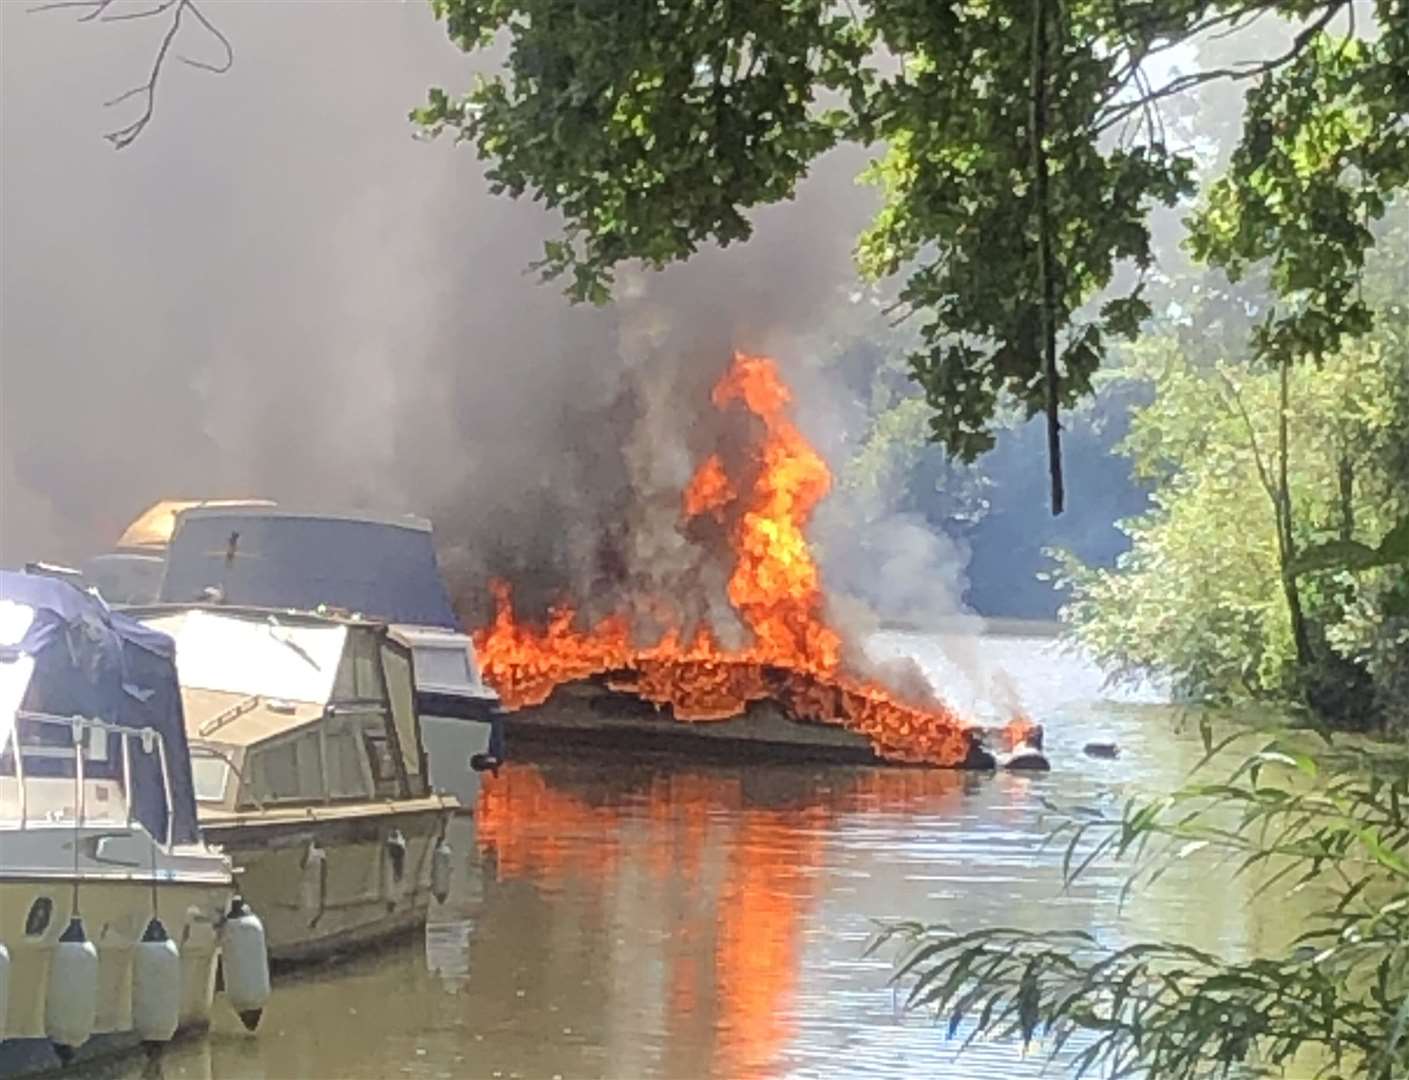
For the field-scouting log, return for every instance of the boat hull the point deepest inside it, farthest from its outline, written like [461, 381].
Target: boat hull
[586, 716]
[114, 913]
[347, 898]
[450, 742]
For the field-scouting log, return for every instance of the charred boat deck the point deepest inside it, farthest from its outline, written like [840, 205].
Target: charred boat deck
[589, 715]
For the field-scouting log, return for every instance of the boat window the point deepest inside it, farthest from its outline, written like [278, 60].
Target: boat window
[126, 579]
[367, 727]
[291, 770]
[443, 668]
[47, 746]
[275, 772]
[310, 766]
[384, 569]
[359, 674]
[347, 771]
[209, 773]
[397, 664]
[379, 754]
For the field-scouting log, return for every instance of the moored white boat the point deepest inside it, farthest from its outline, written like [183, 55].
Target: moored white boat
[310, 771]
[249, 552]
[112, 908]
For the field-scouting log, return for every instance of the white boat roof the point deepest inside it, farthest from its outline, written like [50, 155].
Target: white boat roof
[287, 661]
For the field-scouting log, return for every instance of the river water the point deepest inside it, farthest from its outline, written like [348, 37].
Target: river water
[668, 920]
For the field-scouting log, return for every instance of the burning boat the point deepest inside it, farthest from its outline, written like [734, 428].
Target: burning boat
[310, 771]
[113, 910]
[789, 684]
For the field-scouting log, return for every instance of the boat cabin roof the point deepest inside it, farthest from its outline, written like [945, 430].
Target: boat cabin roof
[249, 674]
[294, 707]
[151, 529]
[382, 567]
[292, 658]
[242, 720]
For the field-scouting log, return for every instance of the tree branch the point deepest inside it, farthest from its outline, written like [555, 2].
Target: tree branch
[1141, 46]
[123, 136]
[147, 14]
[98, 10]
[1234, 26]
[1241, 409]
[228, 62]
[98, 6]
[1188, 82]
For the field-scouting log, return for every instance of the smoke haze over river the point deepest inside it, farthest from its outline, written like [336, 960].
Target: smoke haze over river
[277, 291]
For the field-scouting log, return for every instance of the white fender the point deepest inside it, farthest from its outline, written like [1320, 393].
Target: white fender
[440, 871]
[156, 985]
[394, 867]
[4, 987]
[245, 960]
[311, 885]
[71, 1005]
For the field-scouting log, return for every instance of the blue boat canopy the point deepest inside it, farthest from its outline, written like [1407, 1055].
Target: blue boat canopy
[93, 662]
[382, 568]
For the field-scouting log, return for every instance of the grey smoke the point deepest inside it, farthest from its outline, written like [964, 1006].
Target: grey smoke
[277, 291]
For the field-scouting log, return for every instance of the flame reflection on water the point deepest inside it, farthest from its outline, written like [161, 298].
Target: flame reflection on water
[671, 920]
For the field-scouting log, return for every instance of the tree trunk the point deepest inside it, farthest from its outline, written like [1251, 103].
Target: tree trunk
[1345, 473]
[1046, 278]
[1286, 544]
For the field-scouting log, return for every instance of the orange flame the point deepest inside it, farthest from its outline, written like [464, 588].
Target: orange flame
[794, 656]
[709, 492]
[1021, 730]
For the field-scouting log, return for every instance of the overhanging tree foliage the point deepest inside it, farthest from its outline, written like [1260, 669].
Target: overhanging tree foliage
[1023, 150]
[1270, 483]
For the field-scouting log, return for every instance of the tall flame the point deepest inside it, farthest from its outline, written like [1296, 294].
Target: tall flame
[794, 656]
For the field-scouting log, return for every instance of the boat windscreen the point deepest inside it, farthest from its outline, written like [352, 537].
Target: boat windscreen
[125, 579]
[381, 569]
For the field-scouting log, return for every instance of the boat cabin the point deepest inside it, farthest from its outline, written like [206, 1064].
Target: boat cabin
[289, 708]
[102, 864]
[381, 568]
[377, 568]
[90, 715]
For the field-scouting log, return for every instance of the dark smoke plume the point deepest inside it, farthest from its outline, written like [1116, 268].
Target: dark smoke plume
[277, 291]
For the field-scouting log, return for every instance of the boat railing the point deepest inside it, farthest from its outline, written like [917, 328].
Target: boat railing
[149, 740]
[230, 715]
